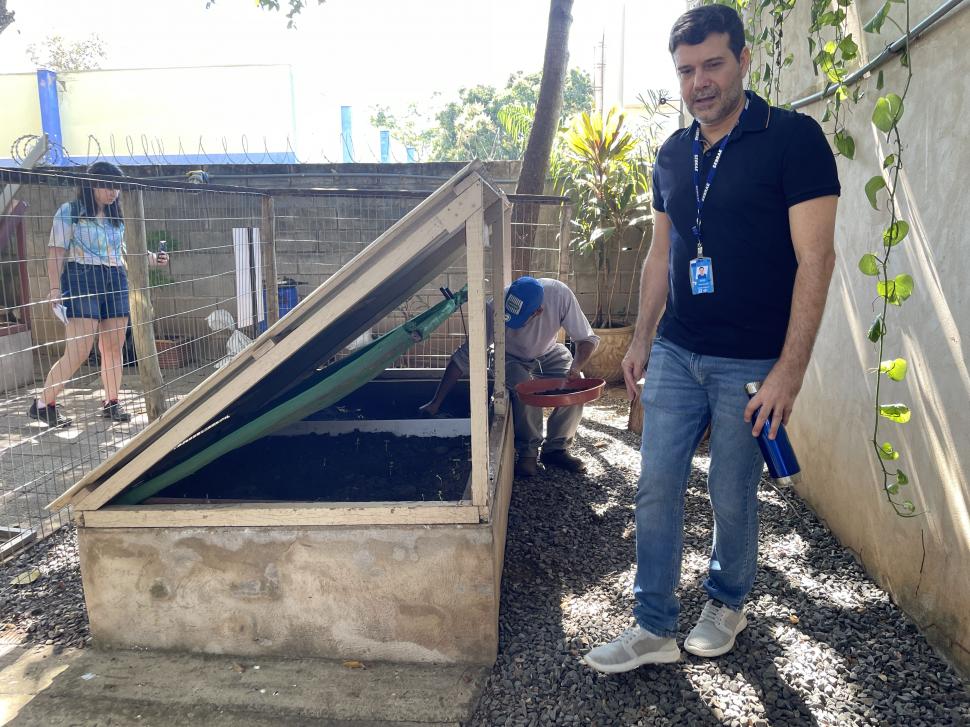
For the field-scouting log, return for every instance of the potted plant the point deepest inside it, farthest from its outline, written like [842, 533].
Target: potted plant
[600, 167]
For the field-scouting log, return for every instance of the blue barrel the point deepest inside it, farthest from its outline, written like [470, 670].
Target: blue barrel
[288, 297]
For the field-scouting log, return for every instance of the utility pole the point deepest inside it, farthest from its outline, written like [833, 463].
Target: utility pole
[599, 72]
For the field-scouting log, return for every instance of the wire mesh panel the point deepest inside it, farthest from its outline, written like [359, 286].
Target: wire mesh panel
[73, 337]
[181, 318]
[320, 231]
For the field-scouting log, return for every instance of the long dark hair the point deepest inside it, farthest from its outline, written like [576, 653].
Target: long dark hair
[693, 27]
[87, 206]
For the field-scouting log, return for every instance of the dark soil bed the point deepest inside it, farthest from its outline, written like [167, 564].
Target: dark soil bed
[356, 467]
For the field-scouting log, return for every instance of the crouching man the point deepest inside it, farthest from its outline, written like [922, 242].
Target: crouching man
[535, 310]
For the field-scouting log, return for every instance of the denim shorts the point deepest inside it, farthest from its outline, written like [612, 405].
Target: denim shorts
[95, 291]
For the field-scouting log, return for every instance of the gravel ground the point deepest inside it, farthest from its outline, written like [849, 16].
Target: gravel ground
[824, 645]
[50, 610]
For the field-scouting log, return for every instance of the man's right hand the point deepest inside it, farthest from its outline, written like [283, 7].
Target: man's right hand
[429, 410]
[634, 362]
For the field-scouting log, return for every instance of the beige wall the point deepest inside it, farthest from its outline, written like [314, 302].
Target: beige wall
[21, 109]
[923, 562]
[154, 109]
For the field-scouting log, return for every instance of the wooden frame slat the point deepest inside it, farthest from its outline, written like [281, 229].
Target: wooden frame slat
[283, 514]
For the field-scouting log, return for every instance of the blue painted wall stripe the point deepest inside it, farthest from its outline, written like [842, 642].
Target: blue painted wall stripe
[385, 147]
[346, 134]
[50, 113]
[283, 157]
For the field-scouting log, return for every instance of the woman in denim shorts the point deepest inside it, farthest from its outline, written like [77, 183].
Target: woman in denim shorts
[87, 275]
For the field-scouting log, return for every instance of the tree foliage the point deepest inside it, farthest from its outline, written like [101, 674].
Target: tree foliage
[295, 7]
[484, 121]
[63, 55]
[6, 16]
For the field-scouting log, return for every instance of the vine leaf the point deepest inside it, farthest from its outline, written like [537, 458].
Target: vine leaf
[901, 479]
[897, 290]
[895, 233]
[869, 264]
[848, 48]
[898, 413]
[875, 25]
[887, 452]
[845, 144]
[888, 112]
[879, 81]
[904, 286]
[873, 186]
[888, 161]
[895, 369]
[877, 330]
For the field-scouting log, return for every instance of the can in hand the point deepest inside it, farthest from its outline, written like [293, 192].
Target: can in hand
[778, 453]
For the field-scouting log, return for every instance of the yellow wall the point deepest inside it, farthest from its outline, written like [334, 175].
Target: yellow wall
[21, 109]
[152, 109]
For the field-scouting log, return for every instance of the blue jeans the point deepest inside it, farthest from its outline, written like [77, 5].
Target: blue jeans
[684, 392]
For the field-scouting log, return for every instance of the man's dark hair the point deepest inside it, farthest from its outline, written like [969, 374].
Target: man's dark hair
[693, 27]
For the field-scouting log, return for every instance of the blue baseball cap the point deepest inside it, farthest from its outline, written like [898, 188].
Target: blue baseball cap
[523, 299]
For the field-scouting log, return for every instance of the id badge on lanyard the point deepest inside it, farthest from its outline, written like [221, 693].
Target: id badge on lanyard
[702, 267]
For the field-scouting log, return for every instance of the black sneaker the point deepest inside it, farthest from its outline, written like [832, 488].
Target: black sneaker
[49, 414]
[562, 459]
[112, 410]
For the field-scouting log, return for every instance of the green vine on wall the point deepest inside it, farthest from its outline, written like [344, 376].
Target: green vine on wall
[892, 290]
[833, 52]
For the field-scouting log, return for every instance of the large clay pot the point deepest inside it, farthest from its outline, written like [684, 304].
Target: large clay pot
[605, 363]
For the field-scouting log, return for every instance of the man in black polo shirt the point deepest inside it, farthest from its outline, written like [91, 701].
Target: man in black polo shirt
[740, 265]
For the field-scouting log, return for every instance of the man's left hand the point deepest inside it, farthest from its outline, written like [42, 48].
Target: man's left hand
[775, 398]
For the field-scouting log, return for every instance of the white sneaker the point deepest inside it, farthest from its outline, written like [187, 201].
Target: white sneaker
[634, 647]
[715, 631]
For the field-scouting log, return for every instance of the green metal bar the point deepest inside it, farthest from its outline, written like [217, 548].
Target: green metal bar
[349, 375]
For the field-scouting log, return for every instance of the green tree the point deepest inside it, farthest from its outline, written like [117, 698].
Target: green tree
[483, 122]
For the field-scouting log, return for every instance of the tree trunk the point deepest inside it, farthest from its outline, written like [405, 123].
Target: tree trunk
[535, 163]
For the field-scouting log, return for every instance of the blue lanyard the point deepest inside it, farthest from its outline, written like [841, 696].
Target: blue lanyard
[698, 194]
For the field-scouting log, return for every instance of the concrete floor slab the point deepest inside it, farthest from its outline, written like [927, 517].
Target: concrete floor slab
[92, 687]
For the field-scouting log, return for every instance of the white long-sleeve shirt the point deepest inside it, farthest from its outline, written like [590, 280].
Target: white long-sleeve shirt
[560, 309]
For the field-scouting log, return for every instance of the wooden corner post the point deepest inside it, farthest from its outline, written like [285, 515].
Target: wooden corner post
[267, 236]
[477, 344]
[142, 312]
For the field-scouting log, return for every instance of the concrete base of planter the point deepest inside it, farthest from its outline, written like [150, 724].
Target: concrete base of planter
[401, 589]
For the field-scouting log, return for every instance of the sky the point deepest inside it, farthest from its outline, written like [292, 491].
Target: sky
[361, 53]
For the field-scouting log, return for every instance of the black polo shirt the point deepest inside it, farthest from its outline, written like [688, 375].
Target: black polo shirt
[773, 160]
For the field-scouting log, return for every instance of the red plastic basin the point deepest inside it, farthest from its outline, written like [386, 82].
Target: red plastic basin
[574, 391]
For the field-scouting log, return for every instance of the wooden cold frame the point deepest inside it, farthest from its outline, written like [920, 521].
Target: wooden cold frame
[473, 203]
